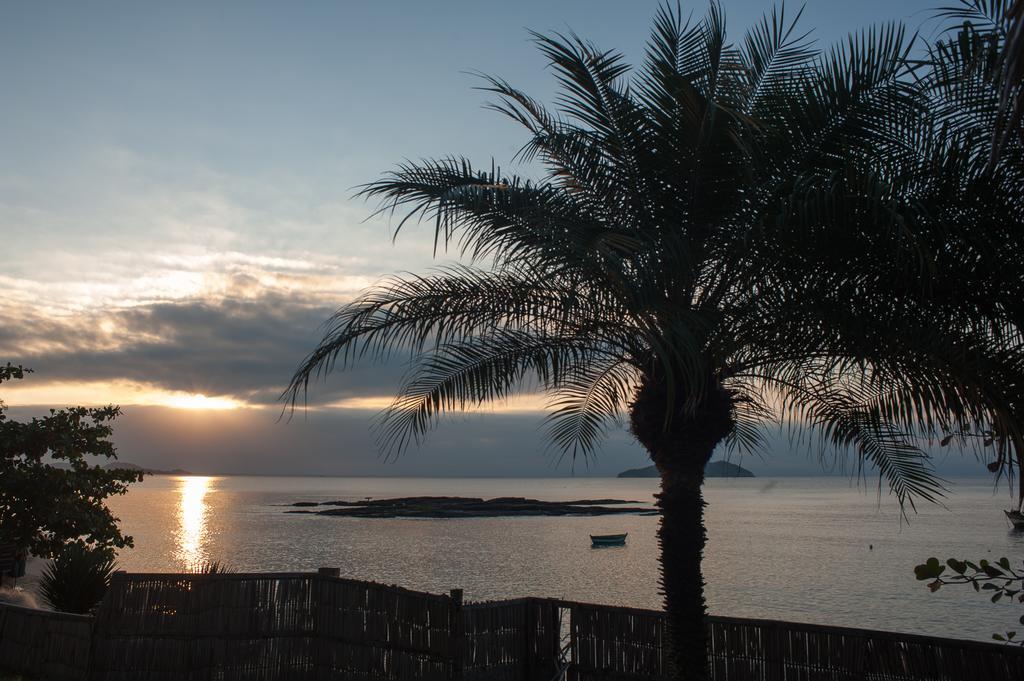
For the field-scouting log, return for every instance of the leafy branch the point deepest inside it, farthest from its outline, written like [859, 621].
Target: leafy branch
[999, 578]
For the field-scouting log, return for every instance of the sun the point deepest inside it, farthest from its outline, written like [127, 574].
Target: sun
[200, 401]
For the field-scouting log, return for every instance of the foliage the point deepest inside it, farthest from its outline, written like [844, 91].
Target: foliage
[966, 81]
[786, 224]
[1003, 20]
[999, 578]
[77, 578]
[729, 235]
[50, 493]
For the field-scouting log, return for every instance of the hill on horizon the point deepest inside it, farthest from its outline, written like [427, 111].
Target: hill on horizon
[129, 466]
[714, 469]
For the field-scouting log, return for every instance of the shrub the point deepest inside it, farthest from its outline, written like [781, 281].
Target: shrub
[77, 578]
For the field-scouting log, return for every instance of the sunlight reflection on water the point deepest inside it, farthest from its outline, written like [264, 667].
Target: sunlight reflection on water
[192, 535]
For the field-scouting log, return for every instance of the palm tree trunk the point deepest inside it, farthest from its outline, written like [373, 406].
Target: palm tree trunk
[680, 449]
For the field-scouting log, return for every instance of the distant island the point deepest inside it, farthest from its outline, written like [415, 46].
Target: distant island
[128, 466]
[463, 507]
[714, 469]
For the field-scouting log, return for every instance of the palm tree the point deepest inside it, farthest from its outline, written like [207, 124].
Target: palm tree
[971, 81]
[721, 239]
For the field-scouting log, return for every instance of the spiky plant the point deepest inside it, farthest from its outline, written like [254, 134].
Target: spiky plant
[210, 567]
[77, 578]
[725, 237]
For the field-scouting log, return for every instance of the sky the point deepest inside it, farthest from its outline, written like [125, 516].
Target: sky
[178, 215]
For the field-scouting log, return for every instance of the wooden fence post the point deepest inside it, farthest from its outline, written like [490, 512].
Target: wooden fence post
[532, 646]
[323, 645]
[456, 633]
[555, 641]
[574, 661]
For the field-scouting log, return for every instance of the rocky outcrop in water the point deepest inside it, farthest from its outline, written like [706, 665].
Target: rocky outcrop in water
[463, 507]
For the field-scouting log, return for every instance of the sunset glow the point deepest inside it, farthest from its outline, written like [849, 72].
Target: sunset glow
[528, 403]
[123, 393]
[199, 401]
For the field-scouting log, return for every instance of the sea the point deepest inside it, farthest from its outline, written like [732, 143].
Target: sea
[821, 550]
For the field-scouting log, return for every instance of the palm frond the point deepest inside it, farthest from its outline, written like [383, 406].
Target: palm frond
[987, 14]
[583, 406]
[475, 371]
[776, 56]
[417, 314]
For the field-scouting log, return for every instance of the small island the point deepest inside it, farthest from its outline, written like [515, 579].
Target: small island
[463, 507]
[128, 466]
[714, 469]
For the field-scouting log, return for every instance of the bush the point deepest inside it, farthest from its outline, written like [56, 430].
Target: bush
[77, 578]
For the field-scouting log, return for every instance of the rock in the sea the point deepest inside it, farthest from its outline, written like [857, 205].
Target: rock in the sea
[462, 507]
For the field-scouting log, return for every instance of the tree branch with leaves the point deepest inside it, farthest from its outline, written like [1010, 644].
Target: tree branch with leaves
[1000, 579]
[52, 488]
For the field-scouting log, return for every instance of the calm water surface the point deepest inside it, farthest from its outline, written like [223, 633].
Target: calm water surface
[788, 548]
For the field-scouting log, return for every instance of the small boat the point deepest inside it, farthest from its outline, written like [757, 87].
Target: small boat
[608, 539]
[1017, 518]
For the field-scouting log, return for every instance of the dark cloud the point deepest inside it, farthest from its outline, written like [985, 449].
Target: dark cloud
[245, 347]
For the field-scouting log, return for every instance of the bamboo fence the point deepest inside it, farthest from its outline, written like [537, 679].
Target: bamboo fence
[514, 640]
[8, 553]
[269, 626]
[43, 644]
[315, 627]
[625, 643]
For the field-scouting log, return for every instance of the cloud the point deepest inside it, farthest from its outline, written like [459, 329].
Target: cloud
[138, 274]
[244, 343]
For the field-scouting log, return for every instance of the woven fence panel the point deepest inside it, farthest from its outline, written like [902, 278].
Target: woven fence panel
[43, 644]
[510, 640]
[621, 643]
[269, 626]
[197, 627]
[495, 641]
[371, 631]
[803, 652]
[616, 643]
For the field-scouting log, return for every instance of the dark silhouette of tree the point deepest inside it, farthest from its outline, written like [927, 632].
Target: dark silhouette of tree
[970, 78]
[726, 237]
[51, 492]
[1012, 96]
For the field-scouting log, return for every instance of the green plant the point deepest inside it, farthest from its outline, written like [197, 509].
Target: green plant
[971, 78]
[728, 236]
[999, 579]
[50, 491]
[77, 578]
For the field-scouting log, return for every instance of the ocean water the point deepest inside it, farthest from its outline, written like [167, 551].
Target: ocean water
[803, 549]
